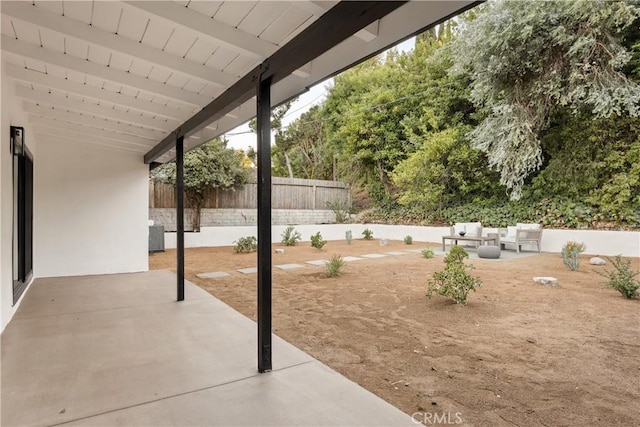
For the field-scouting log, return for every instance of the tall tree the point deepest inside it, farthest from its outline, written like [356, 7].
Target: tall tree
[528, 59]
[210, 166]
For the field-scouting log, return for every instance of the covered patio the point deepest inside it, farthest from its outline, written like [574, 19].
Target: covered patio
[119, 350]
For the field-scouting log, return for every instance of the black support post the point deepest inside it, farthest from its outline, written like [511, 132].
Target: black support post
[264, 224]
[180, 214]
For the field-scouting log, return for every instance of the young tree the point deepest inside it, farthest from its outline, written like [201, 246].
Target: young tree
[212, 165]
[527, 59]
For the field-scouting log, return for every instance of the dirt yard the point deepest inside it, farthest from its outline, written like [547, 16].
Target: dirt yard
[518, 354]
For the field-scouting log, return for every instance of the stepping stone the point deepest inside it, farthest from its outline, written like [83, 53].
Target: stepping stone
[415, 251]
[373, 256]
[318, 262]
[547, 281]
[288, 266]
[249, 270]
[395, 253]
[213, 275]
[351, 258]
[597, 261]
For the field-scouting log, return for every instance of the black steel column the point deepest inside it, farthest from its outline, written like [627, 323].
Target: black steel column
[264, 224]
[180, 214]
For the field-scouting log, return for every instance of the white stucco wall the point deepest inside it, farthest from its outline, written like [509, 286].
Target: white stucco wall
[91, 212]
[12, 115]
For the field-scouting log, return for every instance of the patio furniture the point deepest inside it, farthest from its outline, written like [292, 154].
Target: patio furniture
[521, 234]
[471, 229]
[489, 251]
[477, 240]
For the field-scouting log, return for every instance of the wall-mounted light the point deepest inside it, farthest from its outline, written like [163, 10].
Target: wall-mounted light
[17, 140]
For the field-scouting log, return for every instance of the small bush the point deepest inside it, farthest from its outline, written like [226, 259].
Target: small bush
[348, 236]
[340, 209]
[246, 244]
[408, 240]
[621, 278]
[571, 254]
[317, 242]
[333, 267]
[290, 237]
[454, 281]
[368, 234]
[427, 253]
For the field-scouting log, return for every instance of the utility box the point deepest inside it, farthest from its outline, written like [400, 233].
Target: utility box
[156, 238]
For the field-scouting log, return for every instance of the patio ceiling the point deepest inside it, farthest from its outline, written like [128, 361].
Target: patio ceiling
[126, 74]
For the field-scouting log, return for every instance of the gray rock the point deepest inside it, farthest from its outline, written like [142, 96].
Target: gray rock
[279, 251]
[547, 281]
[597, 261]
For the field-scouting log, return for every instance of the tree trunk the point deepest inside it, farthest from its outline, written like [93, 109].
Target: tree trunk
[286, 159]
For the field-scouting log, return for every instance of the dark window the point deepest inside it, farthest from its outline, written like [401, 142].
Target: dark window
[22, 221]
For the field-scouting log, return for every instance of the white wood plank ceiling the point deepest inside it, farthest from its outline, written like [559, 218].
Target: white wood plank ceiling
[124, 74]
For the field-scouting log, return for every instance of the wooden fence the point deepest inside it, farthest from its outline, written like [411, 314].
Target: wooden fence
[286, 193]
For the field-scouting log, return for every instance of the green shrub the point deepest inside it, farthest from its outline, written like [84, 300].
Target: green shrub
[290, 237]
[368, 234]
[427, 253]
[454, 281]
[408, 240]
[333, 267]
[317, 242]
[340, 209]
[245, 244]
[571, 254]
[348, 236]
[621, 278]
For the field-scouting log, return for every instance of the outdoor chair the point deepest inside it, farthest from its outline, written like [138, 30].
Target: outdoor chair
[521, 234]
[470, 229]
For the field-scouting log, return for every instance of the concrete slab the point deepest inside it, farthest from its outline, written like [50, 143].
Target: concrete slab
[396, 253]
[352, 258]
[126, 353]
[318, 262]
[249, 270]
[415, 251]
[373, 256]
[213, 275]
[288, 266]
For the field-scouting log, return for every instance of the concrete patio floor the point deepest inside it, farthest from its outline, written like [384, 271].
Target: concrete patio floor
[119, 350]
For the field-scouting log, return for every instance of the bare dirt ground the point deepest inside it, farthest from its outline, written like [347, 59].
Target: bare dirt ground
[518, 354]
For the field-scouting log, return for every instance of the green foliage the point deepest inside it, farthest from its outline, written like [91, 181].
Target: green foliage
[564, 53]
[454, 282]
[368, 234]
[340, 209]
[245, 244]
[571, 254]
[348, 236]
[334, 266]
[408, 240]
[428, 253]
[212, 165]
[622, 278]
[317, 242]
[290, 237]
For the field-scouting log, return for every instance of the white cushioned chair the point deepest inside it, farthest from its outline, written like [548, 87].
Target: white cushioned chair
[471, 229]
[521, 234]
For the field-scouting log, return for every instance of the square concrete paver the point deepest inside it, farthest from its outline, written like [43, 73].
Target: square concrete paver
[318, 262]
[248, 270]
[373, 256]
[352, 258]
[415, 251]
[396, 253]
[213, 275]
[288, 266]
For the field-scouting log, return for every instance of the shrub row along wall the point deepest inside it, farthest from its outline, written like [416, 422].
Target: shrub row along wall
[240, 217]
[287, 193]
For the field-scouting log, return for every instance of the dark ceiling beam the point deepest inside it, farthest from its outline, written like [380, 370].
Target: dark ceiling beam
[336, 25]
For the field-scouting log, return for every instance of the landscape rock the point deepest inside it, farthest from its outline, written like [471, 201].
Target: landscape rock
[597, 261]
[547, 281]
[279, 251]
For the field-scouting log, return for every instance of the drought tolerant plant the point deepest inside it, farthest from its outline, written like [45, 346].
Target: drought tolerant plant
[290, 237]
[245, 244]
[348, 236]
[427, 253]
[454, 281]
[333, 267]
[368, 234]
[408, 240]
[340, 209]
[317, 242]
[621, 278]
[571, 254]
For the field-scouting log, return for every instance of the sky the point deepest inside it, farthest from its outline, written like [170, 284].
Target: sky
[243, 138]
